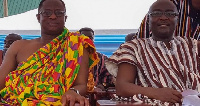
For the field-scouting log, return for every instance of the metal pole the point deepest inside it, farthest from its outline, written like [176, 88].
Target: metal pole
[5, 6]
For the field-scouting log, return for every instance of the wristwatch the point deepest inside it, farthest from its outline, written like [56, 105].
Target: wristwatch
[75, 90]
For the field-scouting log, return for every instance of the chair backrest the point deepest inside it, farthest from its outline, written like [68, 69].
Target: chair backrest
[1, 56]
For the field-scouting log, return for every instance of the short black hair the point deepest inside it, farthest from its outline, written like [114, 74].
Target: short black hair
[86, 29]
[17, 36]
[130, 37]
[40, 5]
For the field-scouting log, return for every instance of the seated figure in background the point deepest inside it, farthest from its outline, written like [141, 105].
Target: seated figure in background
[159, 68]
[50, 70]
[130, 37]
[9, 39]
[102, 78]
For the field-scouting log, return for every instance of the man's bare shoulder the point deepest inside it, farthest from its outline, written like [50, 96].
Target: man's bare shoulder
[25, 41]
[24, 48]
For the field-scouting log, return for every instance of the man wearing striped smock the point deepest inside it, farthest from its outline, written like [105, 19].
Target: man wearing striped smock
[159, 68]
[189, 20]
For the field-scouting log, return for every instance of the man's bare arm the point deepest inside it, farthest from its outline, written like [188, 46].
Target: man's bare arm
[126, 87]
[80, 84]
[9, 63]
[125, 80]
[82, 78]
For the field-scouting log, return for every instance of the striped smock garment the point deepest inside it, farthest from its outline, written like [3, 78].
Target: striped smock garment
[157, 66]
[188, 24]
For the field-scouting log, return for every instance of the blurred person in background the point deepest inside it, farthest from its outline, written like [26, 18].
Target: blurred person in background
[9, 39]
[102, 78]
[130, 37]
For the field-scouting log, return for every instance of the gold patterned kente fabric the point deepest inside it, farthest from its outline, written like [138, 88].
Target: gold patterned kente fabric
[49, 72]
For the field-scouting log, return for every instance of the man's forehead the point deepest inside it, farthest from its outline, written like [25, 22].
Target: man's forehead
[163, 5]
[48, 4]
[52, 2]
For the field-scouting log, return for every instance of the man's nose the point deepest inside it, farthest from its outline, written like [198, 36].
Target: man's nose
[163, 16]
[53, 16]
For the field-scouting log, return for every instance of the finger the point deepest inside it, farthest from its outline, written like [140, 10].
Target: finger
[86, 102]
[173, 101]
[81, 101]
[63, 100]
[178, 94]
[175, 98]
[71, 101]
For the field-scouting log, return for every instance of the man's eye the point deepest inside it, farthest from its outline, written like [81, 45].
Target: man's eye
[157, 14]
[59, 13]
[169, 14]
[47, 12]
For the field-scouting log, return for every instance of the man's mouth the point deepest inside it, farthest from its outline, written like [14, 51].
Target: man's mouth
[53, 24]
[163, 25]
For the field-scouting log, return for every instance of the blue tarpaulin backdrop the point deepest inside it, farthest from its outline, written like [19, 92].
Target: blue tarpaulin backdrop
[105, 44]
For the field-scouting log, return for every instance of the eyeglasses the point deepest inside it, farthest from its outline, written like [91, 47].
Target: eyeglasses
[169, 14]
[48, 13]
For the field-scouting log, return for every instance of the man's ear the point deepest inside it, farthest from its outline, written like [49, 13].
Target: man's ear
[38, 17]
[65, 18]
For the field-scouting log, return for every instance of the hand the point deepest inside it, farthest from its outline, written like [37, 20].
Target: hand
[165, 95]
[70, 97]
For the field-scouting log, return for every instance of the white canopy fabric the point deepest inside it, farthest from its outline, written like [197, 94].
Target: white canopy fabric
[97, 14]
[13, 7]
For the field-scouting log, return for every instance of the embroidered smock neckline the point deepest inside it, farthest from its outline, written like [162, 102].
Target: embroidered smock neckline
[160, 44]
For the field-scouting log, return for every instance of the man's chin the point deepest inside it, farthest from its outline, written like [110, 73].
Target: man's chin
[54, 32]
[164, 35]
[163, 31]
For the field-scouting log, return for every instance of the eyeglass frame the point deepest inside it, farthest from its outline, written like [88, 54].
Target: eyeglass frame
[42, 12]
[164, 13]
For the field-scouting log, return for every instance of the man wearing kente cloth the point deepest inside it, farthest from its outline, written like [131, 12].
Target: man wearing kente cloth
[50, 70]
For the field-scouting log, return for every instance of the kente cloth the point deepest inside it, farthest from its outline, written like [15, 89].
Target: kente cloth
[157, 66]
[188, 24]
[49, 72]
